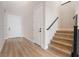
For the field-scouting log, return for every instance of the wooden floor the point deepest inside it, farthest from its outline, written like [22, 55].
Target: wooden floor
[21, 47]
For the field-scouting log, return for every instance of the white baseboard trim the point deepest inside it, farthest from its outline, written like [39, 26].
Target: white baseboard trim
[28, 39]
[12, 37]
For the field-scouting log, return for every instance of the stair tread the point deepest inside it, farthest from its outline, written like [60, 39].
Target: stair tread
[56, 53]
[64, 34]
[62, 38]
[60, 49]
[62, 46]
[62, 43]
[52, 51]
[64, 31]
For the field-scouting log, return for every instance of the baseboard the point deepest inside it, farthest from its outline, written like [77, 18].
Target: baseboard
[11, 37]
[28, 38]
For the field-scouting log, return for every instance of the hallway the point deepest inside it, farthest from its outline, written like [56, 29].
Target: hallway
[26, 34]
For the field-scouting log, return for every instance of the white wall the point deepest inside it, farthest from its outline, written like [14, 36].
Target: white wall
[27, 21]
[66, 13]
[51, 12]
[1, 27]
[22, 9]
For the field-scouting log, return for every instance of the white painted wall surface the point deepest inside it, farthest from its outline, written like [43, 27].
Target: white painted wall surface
[66, 13]
[27, 21]
[51, 12]
[1, 27]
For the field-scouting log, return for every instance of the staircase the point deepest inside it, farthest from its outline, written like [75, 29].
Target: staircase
[61, 43]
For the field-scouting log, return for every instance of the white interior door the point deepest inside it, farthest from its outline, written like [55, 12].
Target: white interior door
[38, 24]
[14, 26]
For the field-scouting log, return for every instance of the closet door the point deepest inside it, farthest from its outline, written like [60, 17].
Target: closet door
[38, 24]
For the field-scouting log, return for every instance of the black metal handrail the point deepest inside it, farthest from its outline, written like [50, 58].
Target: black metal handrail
[52, 23]
[74, 51]
[65, 3]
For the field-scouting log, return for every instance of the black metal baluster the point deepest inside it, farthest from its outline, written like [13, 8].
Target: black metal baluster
[74, 52]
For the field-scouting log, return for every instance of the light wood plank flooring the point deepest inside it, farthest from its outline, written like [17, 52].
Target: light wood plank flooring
[21, 47]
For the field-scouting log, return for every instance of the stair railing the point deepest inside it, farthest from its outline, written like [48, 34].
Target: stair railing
[65, 3]
[53, 23]
[74, 51]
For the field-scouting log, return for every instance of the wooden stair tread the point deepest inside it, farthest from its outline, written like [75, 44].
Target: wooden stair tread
[64, 31]
[58, 37]
[60, 49]
[64, 34]
[62, 43]
[63, 40]
[52, 51]
[62, 46]
[58, 54]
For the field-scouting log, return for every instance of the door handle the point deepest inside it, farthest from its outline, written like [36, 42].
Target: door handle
[40, 30]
